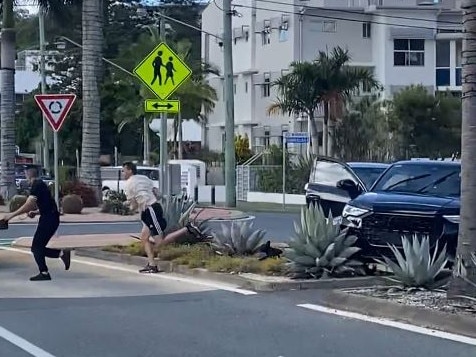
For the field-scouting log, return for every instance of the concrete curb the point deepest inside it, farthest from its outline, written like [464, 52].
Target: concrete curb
[379, 308]
[245, 281]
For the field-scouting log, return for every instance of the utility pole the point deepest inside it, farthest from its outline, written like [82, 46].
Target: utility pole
[45, 147]
[230, 167]
[163, 131]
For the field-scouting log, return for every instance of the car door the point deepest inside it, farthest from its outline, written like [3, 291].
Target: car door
[332, 184]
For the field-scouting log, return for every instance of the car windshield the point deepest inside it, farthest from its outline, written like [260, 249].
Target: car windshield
[368, 175]
[435, 180]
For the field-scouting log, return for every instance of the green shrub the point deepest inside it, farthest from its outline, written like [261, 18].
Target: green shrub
[114, 203]
[72, 204]
[16, 202]
[88, 194]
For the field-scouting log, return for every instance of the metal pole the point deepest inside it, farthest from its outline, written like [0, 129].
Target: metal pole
[230, 167]
[55, 149]
[41, 24]
[163, 131]
[284, 171]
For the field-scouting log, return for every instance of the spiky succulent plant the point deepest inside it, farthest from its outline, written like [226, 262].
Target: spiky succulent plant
[177, 212]
[417, 267]
[237, 239]
[319, 247]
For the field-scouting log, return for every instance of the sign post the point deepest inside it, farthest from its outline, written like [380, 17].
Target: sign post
[55, 107]
[162, 71]
[291, 138]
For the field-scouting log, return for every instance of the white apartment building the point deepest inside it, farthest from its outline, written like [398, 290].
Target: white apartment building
[403, 42]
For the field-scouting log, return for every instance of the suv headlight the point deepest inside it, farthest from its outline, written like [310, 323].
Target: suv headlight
[452, 218]
[353, 211]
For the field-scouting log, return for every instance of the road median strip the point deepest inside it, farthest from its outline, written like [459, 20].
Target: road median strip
[250, 281]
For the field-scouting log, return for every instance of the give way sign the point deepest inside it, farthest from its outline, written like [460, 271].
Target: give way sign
[55, 107]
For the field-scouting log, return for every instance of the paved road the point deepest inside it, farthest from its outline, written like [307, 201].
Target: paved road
[113, 311]
[279, 227]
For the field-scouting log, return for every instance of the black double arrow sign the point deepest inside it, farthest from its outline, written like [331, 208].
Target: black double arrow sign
[162, 106]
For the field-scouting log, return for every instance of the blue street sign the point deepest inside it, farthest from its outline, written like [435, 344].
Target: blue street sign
[297, 138]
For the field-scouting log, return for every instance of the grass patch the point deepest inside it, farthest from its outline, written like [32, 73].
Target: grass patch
[202, 256]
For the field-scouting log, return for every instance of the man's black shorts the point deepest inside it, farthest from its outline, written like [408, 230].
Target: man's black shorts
[153, 217]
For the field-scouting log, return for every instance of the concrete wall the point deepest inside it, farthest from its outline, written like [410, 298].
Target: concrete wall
[276, 198]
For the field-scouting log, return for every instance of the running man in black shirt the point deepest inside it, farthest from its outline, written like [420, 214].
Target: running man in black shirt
[41, 202]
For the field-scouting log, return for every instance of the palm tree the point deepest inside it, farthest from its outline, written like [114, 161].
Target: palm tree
[338, 82]
[300, 91]
[7, 101]
[464, 276]
[7, 90]
[92, 39]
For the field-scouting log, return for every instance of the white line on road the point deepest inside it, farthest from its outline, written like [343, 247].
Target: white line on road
[391, 323]
[112, 266]
[13, 224]
[23, 344]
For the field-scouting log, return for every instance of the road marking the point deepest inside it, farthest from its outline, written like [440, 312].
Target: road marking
[112, 266]
[23, 344]
[13, 224]
[391, 323]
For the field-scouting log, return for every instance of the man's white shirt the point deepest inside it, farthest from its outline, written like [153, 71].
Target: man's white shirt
[139, 189]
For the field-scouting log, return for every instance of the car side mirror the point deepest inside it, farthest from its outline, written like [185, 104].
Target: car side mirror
[350, 186]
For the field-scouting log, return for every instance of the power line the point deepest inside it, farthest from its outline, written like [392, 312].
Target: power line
[359, 13]
[335, 17]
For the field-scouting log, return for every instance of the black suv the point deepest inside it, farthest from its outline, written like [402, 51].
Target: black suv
[327, 172]
[417, 196]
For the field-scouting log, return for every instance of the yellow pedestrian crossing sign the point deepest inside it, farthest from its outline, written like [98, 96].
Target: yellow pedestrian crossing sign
[162, 71]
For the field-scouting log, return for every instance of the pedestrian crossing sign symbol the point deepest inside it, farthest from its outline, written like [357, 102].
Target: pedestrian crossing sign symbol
[162, 71]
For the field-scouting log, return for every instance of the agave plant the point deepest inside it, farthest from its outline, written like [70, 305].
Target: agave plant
[319, 247]
[237, 239]
[418, 268]
[177, 212]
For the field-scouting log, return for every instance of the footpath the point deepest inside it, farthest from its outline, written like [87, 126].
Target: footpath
[94, 215]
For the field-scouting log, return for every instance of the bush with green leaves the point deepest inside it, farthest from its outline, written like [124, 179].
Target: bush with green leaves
[418, 267]
[237, 239]
[114, 203]
[319, 248]
[16, 202]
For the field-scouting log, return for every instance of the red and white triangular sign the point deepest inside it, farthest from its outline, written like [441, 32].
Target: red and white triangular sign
[55, 107]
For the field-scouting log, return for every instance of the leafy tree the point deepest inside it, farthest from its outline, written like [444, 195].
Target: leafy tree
[425, 124]
[363, 132]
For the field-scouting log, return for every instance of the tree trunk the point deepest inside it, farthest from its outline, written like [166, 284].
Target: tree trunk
[7, 102]
[325, 129]
[92, 26]
[464, 275]
[314, 133]
[180, 136]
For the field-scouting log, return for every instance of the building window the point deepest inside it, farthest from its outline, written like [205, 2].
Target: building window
[366, 28]
[409, 52]
[329, 26]
[267, 85]
[246, 87]
[443, 63]
[266, 139]
[266, 34]
[234, 88]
